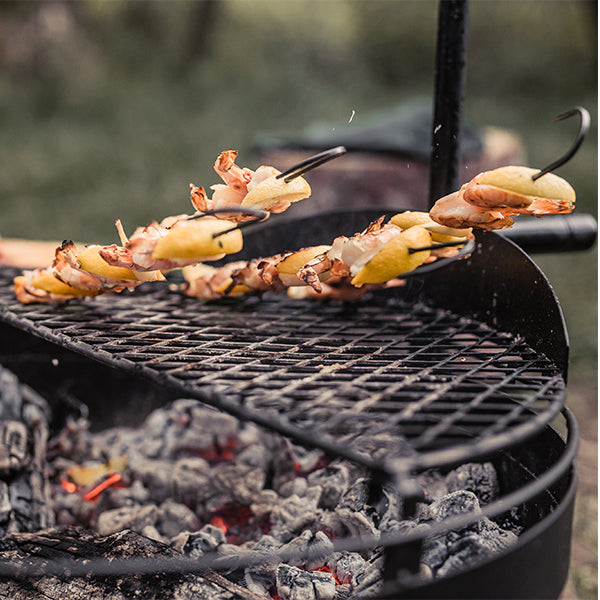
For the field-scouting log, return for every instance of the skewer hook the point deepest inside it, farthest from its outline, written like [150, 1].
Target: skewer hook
[584, 126]
[257, 214]
[310, 163]
[437, 246]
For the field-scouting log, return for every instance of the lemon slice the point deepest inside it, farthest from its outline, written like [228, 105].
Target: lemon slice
[439, 233]
[272, 191]
[91, 261]
[519, 180]
[395, 259]
[236, 290]
[51, 284]
[193, 238]
[296, 260]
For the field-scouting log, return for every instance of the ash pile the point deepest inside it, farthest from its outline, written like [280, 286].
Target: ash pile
[192, 481]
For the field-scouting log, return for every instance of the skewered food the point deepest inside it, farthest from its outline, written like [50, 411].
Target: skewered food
[170, 245]
[175, 242]
[491, 198]
[261, 189]
[375, 257]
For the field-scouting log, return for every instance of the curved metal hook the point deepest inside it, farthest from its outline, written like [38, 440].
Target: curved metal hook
[257, 215]
[584, 126]
[310, 163]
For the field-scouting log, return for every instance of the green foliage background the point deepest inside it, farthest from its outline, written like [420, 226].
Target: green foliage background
[110, 108]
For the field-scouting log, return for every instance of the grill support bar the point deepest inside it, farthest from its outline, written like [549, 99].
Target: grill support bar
[444, 169]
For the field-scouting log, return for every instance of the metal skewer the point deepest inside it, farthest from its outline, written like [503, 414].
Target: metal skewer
[437, 246]
[584, 127]
[311, 163]
[257, 214]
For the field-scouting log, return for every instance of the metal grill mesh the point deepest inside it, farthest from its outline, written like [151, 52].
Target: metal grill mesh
[373, 381]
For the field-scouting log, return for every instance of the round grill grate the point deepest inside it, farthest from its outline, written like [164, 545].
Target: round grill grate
[385, 382]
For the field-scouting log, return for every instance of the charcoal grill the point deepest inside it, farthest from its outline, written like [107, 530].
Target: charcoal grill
[454, 364]
[465, 364]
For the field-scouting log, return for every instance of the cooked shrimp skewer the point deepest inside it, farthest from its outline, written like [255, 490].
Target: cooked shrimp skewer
[376, 257]
[77, 273]
[491, 198]
[243, 187]
[175, 244]
[179, 241]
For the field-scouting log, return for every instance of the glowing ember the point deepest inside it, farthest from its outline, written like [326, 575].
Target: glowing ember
[323, 462]
[219, 453]
[68, 486]
[239, 524]
[111, 480]
[326, 569]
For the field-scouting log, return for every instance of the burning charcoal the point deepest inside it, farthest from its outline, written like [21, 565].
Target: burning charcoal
[296, 584]
[464, 552]
[184, 481]
[333, 481]
[127, 517]
[305, 460]
[72, 509]
[369, 580]
[5, 505]
[258, 584]
[434, 484]
[133, 495]
[294, 514]
[317, 545]
[13, 447]
[208, 539]
[175, 518]
[435, 552]
[241, 483]
[24, 493]
[187, 426]
[355, 498]
[157, 476]
[481, 479]
[296, 486]
[345, 522]
[497, 538]
[264, 503]
[346, 566]
[408, 527]
[67, 544]
[453, 504]
[262, 574]
[254, 454]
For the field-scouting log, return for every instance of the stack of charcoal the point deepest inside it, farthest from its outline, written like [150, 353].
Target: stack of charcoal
[192, 481]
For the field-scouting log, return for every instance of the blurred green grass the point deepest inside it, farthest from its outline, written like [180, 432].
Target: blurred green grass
[110, 109]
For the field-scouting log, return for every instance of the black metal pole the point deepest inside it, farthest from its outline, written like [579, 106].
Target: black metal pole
[444, 173]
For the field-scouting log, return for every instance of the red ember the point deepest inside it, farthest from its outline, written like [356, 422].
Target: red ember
[219, 453]
[68, 486]
[111, 481]
[239, 523]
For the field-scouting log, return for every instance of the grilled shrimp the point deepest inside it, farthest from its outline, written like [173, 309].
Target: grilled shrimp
[246, 188]
[42, 285]
[85, 270]
[491, 198]
[174, 244]
[374, 258]
[453, 211]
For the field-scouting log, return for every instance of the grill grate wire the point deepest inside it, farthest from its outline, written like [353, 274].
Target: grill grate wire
[382, 382]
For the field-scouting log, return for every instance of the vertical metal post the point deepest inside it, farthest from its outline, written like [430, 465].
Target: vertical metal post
[444, 166]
